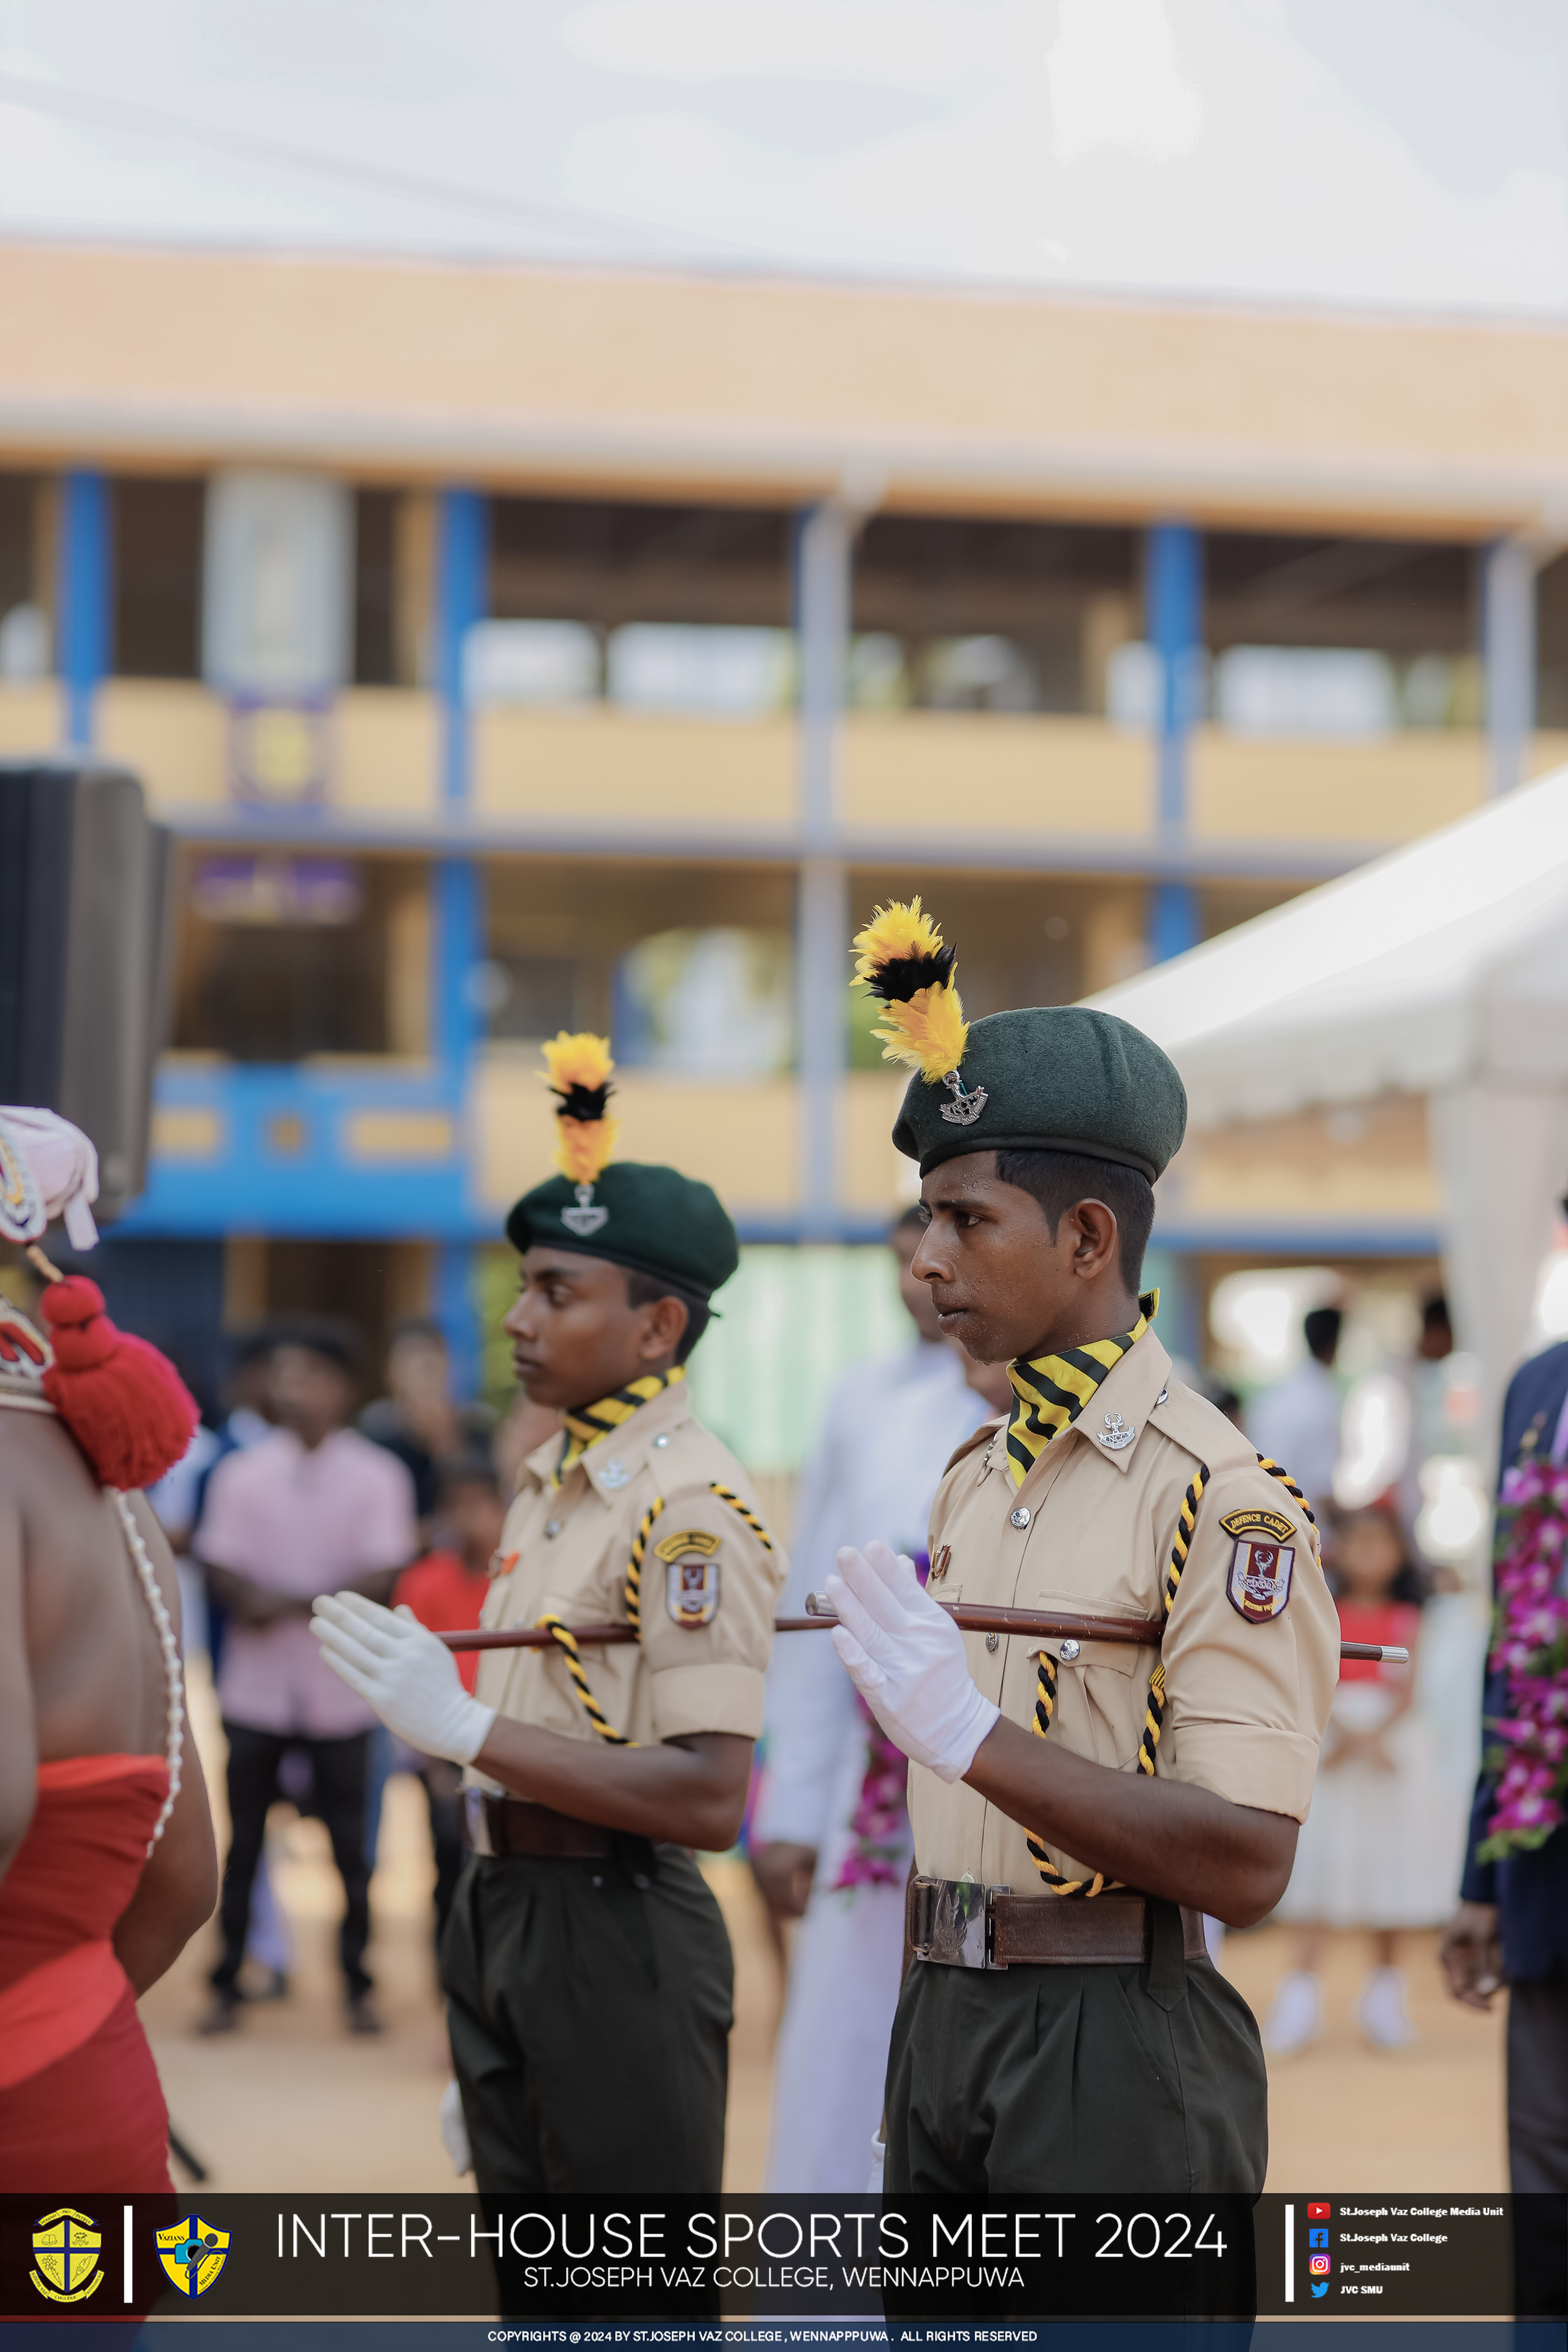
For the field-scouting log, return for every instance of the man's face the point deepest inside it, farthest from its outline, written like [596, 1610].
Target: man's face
[310, 1394]
[999, 1283]
[575, 1335]
[418, 1372]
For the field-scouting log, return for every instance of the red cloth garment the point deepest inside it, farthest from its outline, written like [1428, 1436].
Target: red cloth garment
[447, 1598]
[1393, 1623]
[81, 2104]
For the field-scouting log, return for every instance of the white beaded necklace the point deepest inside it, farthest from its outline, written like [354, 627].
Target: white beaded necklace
[170, 1649]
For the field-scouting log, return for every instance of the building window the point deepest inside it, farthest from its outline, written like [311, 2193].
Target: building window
[24, 633]
[650, 607]
[1338, 638]
[157, 543]
[962, 613]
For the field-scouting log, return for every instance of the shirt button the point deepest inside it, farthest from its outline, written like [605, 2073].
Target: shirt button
[1069, 1652]
[1021, 1515]
[662, 1440]
[552, 1527]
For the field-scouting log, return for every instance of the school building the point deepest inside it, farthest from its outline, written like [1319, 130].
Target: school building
[518, 647]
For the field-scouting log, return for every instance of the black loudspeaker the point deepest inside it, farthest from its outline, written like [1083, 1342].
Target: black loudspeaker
[85, 934]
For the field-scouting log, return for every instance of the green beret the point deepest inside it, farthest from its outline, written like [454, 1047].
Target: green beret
[656, 1221]
[1055, 1077]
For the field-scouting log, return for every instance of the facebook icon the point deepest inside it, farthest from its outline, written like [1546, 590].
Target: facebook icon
[1317, 2237]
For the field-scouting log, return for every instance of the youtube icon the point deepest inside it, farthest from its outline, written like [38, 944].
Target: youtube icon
[1318, 2212]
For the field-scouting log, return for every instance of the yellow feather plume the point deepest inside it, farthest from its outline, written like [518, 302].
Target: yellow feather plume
[929, 1033]
[902, 958]
[578, 1070]
[895, 934]
[583, 1060]
[586, 1147]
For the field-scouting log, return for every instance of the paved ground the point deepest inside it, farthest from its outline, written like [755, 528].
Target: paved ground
[291, 2103]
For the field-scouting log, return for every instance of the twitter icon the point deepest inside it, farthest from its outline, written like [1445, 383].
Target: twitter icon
[1319, 2286]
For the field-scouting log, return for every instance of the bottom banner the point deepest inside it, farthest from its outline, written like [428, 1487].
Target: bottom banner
[652, 2272]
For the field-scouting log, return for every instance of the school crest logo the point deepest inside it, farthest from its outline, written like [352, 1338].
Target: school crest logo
[691, 1577]
[1259, 1583]
[192, 2253]
[66, 2247]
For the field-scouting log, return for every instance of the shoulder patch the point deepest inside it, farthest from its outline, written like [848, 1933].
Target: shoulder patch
[982, 1436]
[1272, 1526]
[692, 1577]
[697, 1540]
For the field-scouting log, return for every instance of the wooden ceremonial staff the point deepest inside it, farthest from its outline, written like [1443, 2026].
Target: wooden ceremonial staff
[1048, 1624]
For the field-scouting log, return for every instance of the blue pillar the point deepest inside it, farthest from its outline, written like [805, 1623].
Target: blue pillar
[456, 927]
[462, 597]
[84, 597]
[1175, 924]
[1173, 627]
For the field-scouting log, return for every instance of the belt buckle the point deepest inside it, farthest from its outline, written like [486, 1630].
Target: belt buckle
[476, 1823]
[954, 1923]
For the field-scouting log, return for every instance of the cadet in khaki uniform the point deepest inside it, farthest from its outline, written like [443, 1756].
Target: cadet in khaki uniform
[1077, 1803]
[586, 1966]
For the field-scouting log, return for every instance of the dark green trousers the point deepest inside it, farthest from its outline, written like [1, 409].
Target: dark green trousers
[589, 2005]
[1024, 2079]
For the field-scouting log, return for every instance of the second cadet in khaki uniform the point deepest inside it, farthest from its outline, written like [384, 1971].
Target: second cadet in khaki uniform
[1077, 1802]
[586, 1966]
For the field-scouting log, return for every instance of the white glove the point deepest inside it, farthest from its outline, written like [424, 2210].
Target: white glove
[404, 1672]
[906, 1657]
[454, 2129]
[879, 2165]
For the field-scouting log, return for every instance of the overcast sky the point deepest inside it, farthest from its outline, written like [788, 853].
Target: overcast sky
[1366, 151]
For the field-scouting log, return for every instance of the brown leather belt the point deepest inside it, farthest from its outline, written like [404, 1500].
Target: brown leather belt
[511, 1829]
[960, 1925]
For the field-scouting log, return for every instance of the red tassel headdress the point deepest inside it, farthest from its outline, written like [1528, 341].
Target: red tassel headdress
[123, 1402]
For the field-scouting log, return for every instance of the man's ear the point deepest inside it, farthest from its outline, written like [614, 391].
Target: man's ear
[1095, 1245]
[663, 1329]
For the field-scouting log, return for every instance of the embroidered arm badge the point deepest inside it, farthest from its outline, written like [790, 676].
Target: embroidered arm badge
[691, 1577]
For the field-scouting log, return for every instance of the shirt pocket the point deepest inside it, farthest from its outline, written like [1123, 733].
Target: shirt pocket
[1100, 1698]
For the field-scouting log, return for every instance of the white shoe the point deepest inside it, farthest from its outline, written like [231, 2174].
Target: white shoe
[1297, 2016]
[1382, 2011]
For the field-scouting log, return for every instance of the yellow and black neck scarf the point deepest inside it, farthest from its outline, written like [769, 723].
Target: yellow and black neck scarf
[1051, 1391]
[586, 1423]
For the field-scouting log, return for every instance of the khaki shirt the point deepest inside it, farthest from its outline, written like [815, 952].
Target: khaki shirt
[706, 1604]
[1246, 1702]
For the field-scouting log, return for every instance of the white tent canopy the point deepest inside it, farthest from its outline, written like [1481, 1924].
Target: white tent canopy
[1439, 969]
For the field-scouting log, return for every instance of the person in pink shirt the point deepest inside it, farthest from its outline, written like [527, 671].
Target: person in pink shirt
[312, 1508]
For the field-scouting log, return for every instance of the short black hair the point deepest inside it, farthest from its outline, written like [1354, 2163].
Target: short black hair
[327, 1336]
[1057, 1180]
[1436, 1311]
[642, 1290]
[1321, 1329]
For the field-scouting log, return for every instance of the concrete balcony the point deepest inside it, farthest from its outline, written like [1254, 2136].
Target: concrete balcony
[381, 1146]
[977, 789]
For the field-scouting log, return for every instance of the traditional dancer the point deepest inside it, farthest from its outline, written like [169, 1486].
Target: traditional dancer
[107, 1861]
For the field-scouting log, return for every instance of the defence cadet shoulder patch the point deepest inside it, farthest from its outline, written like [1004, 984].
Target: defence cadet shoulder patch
[1258, 1585]
[692, 1577]
[1273, 1525]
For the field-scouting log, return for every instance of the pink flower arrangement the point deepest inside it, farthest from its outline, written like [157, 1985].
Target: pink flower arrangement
[878, 1855]
[1530, 1647]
